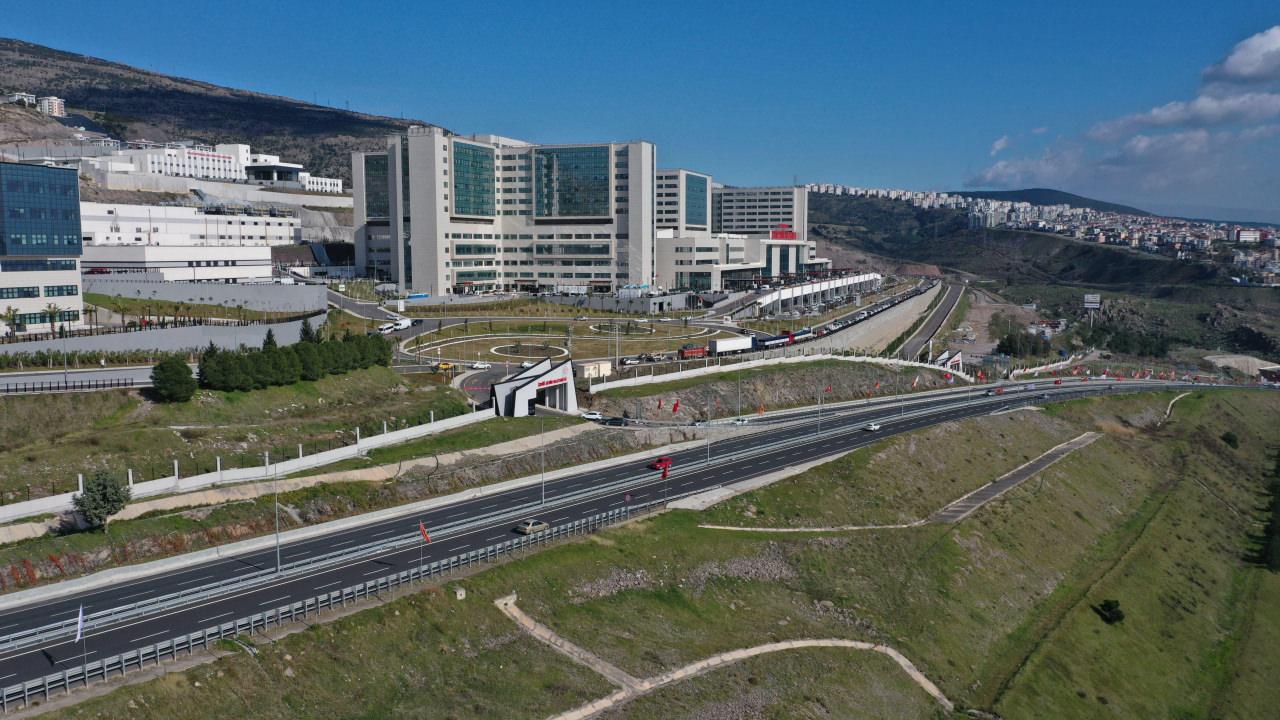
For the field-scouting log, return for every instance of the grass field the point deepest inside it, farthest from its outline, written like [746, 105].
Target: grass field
[542, 338]
[48, 440]
[995, 610]
[135, 308]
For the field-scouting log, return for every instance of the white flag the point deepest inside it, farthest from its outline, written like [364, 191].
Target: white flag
[80, 624]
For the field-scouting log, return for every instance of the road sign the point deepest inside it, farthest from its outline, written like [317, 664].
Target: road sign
[1092, 301]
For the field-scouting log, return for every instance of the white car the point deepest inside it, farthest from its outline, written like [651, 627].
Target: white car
[871, 427]
[665, 319]
[481, 365]
[740, 421]
[526, 365]
[592, 415]
[642, 320]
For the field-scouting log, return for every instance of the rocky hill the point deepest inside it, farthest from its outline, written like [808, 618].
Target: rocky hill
[132, 103]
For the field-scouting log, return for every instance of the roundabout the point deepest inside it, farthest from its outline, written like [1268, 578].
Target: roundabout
[515, 350]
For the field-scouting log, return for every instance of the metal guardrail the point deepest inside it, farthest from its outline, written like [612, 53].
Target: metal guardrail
[21, 695]
[841, 423]
[75, 385]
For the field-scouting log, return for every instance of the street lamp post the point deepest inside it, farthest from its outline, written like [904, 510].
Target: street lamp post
[275, 489]
[543, 456]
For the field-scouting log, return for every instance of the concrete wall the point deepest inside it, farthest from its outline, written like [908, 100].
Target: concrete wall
[714, 368]
[645, 305]
[170, 339]
[277, 298]
[174, 484]
[223, 190]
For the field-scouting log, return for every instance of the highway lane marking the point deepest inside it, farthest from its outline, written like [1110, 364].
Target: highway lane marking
[321, 587]
[375, 570]
[214, 617]
[186, 582]
[954, 412]
[286, 597]
[144, 637]
[6, 677]
[384, 532]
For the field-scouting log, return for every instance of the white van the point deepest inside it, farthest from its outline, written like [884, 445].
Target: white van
[387, 328]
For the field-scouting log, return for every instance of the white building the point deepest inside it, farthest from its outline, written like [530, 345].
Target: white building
[20, 98]
[196, 161]
[439, 213]
[53, 106]
[312, 183]
[191, 263]
[760, 210]
[1248, 236]
[119, 224]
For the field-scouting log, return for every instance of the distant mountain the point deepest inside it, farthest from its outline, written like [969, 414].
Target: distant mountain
[131, 103]
[1048, 196]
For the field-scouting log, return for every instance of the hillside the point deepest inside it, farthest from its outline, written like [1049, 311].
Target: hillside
[132, 103]
[1049, 196]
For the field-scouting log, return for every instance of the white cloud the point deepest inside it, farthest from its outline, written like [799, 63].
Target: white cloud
[1039, 130]
[1203, 111]
[1053, 168]
[1000, 144]
[1254, 59]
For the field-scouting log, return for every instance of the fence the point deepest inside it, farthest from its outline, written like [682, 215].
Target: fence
[20, 695]
[74, 386]
[175, 484]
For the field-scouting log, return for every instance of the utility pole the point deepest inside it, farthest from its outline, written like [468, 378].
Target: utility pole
[542, 434]
[275, 489]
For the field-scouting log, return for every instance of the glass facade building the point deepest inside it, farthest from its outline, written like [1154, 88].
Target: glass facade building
[572, 182]
[474, 187]
[695, 200]
[377, 201]
[39, 211]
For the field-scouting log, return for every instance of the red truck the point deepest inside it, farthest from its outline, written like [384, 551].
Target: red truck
[689, 352]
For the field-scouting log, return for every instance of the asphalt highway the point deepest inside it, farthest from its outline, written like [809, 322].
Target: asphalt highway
[690, 473]
[917, 342]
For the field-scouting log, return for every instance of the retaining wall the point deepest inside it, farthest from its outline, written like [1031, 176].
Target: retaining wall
[266, 297]
[192, 337]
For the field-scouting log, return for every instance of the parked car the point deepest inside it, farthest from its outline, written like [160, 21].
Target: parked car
[529, 527]
[582, 317]
[480, 365]
[593, 415]
[526, 365]
[872, 427]
[740, 421]
[417, 321]
[616, 422]
[629, 361]
[1058, 381]
[665, 319]
[662, 463]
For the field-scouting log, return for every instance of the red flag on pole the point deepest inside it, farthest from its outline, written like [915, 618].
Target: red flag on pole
[877, 384]
[659, 403]
[423, 529]
[675, 406]
[915, 382]
[828, 388]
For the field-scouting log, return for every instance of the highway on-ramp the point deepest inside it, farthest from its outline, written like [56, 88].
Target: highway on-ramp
[566, 499]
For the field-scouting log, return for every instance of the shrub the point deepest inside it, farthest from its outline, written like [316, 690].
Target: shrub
[171, 380]
[103, 497]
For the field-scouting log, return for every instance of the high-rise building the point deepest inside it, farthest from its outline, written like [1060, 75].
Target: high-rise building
[39, 246]
[440, 214]
[761, 210]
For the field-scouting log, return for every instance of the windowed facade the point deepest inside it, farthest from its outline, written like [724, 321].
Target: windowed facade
[695, 200]
[473, 180]
[40, 240]
[571, 182]
[376, 199]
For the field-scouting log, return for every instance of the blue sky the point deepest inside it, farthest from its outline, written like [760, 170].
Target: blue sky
[914, 95]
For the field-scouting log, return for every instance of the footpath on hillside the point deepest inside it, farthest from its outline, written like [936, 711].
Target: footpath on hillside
[631, 687]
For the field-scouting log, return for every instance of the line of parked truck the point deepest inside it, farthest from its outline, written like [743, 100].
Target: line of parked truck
[755, 343]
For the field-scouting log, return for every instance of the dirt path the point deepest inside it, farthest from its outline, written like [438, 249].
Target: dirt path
[632, 687]
[962, 507]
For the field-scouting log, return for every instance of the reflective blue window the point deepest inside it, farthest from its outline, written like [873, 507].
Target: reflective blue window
[571, 182]
[39, 210]
[695, 200]
[473, 180]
